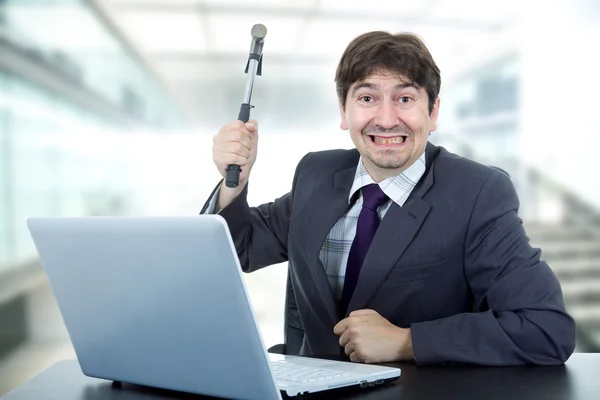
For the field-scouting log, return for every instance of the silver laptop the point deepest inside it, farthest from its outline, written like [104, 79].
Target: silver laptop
[161, 302]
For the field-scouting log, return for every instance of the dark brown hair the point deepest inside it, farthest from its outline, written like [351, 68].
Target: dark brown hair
[402, 53]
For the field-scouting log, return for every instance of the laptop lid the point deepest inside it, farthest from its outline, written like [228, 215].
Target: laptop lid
[156, 301]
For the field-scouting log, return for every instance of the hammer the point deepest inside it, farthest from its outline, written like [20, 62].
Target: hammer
[253, 68]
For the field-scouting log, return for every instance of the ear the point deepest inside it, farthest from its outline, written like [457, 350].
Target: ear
[344, 122]
[434, 115]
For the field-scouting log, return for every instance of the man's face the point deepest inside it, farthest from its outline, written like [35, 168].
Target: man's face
[389, 122]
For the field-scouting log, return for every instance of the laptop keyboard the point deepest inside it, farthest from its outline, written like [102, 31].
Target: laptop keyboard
[286, 371]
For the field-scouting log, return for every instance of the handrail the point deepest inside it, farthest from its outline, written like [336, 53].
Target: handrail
[529, 179]
[25, 64]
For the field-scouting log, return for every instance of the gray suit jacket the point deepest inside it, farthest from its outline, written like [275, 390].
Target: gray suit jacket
[454, 263]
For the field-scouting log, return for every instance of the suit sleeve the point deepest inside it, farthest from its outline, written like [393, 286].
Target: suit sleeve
[520, 315]
[260, 233]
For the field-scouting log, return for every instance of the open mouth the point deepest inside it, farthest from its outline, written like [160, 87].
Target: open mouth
[382, 140]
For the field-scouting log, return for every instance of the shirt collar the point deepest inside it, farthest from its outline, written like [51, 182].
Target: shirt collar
[397, 187]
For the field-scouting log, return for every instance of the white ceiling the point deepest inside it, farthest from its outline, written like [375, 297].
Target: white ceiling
[200, 47]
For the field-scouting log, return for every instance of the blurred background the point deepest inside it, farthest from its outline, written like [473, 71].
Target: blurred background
[108, 107]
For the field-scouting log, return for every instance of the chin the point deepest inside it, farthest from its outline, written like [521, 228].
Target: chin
[387, 162]
[390, 164]
[390, 160]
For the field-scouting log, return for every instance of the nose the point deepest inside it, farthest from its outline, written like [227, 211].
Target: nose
[387, 115]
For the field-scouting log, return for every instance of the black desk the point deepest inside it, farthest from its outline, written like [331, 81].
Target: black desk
[579, 379]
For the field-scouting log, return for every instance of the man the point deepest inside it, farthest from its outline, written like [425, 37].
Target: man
[398, 250]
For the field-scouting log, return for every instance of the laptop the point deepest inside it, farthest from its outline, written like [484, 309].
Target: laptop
[161, 302]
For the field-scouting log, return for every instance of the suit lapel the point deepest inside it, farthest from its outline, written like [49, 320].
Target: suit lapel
[327, 205]
[396, 231]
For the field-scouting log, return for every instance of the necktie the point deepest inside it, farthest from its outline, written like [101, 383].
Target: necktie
[368, 221]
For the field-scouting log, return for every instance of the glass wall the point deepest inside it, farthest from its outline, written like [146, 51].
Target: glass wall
[60, 153]
[50, 164]
[70, 37]
[5, 243]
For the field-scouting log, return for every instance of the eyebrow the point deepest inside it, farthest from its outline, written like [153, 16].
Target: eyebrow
[367, 85]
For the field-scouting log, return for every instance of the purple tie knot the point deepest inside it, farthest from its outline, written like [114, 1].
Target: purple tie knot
[373, 196]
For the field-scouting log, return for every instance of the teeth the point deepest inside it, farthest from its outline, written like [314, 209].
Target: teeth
[396, 140]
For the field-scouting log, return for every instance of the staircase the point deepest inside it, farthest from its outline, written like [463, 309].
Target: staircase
[574, 256]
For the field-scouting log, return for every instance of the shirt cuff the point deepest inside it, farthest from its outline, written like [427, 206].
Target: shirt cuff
[212, 203]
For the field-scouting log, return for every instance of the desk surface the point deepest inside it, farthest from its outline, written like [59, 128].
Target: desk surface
[578, 379]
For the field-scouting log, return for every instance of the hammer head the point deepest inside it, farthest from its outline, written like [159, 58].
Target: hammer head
[258, 32]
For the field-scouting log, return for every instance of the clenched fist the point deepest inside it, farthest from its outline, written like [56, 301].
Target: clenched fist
[236, 143]
[368, 337]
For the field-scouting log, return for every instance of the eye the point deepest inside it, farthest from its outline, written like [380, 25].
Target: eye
[405, 99]
[366, 99]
